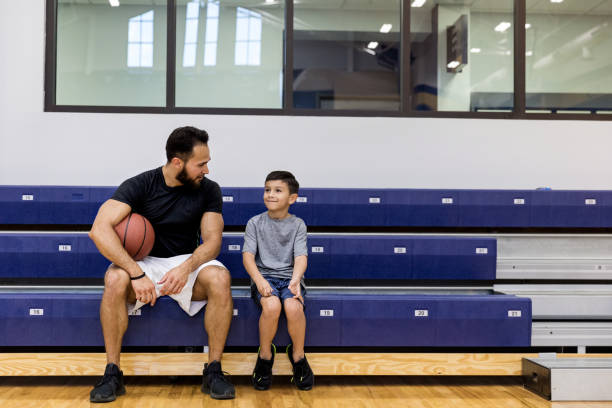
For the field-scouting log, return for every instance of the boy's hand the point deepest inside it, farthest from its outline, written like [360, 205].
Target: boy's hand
[264, 287]
[296, 289]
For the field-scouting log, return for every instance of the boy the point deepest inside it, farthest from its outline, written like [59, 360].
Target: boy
[275, 257]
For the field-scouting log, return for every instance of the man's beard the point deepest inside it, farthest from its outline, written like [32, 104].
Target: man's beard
[192, 184]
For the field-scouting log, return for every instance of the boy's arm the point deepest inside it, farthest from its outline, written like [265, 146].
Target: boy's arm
[299, 268]
[248, 260]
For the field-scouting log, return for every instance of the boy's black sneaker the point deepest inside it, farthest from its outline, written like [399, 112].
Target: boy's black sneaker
[110, 386]
[262, 374]
[215, 383]
[303, 377]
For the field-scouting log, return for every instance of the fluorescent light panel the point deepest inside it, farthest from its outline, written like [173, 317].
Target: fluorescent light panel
[418, 3]
[114, 3]
[503, 26]
[556, 1]
[372, 45]
[385, 28]
[453, 64]
[527, 26]
[475, 50]
[369, 51]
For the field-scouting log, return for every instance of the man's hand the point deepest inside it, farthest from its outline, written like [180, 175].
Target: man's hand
[174, 280]
[296, 288]
[144, 290]
[264, 287]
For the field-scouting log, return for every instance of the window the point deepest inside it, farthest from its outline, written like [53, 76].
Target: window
[140, 40]
[111, 56]
[568, 57]
[240, 46]
[248, 37]
[462, 55]
[347, 55]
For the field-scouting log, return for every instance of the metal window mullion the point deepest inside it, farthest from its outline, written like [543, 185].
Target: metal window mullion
[519, 57]
[51, 54]
[288, 60]
[405, 73]
[171, 56]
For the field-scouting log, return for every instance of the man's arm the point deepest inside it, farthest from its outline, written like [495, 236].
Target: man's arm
[211, 227]
[107, 241]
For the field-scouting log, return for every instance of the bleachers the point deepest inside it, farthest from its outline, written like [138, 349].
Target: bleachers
[381, 279]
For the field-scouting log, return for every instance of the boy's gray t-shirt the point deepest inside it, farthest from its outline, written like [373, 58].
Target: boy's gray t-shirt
[275, 243]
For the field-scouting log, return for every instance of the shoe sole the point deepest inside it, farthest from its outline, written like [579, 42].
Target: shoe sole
[206, 390]
[109, 399]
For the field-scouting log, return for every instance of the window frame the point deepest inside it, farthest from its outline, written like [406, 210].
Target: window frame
[287, 109]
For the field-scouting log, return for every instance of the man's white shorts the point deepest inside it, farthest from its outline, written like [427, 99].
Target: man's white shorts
[156, 268]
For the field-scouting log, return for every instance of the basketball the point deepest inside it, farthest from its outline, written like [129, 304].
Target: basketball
[136, 235]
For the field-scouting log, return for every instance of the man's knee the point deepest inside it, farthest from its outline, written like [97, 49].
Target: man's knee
[217, 279]
[116, 279]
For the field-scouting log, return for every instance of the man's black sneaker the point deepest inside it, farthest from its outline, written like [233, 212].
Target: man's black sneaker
[303, 377]
[262, 374]
[215, 383]
[110, 386]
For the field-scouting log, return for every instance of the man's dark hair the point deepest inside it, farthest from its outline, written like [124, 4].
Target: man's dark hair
[182, 141]
[286, 177]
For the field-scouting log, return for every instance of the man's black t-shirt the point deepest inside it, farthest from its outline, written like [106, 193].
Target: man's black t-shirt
[174, 212]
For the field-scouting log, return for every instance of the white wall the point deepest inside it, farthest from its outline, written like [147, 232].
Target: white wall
[103, 149]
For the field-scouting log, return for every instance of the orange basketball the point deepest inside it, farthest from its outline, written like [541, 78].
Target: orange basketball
[136, 235]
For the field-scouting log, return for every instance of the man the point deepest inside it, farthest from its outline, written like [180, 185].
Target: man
[182, 205]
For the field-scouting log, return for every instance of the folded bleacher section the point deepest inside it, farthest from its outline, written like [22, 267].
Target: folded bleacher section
[387, 268]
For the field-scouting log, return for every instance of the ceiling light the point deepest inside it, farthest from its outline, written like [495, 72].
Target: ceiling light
[503, 26]
[270, 1]
[475, 50]
[369, 51]
[529, 53]
[527, 26]
[385, 28]
[418, 3]
[453, 64]
[372, 45]
[114, 3]
[556, 1]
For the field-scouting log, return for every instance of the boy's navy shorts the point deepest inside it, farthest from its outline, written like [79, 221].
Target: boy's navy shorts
[280, 289]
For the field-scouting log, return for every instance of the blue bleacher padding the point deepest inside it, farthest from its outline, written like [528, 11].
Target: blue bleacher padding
[50, 255]
[494, 208]
[48, 205]
[435, 320]
[71, 319]
[422, 208]
[348, 207]
[19, 205]
[566, 208]
[454, 258]
[342, 257]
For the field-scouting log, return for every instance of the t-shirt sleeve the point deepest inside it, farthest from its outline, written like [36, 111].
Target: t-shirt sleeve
[250, 238]
[300, 246]
[130, 192]
[215, 201]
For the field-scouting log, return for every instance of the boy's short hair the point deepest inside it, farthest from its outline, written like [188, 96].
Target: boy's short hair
[286, 177]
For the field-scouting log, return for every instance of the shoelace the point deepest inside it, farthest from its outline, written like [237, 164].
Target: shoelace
[106, 379]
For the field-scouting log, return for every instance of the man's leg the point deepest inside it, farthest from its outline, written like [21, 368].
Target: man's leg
[114, 319]
[214, 285]
[113, 311]
[268, 323]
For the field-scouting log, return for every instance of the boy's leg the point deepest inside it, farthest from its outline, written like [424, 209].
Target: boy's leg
[268, 323]
[296, 323]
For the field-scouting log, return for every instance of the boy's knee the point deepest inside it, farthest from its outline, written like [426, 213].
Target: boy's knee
[293, 309]
[270, 306]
